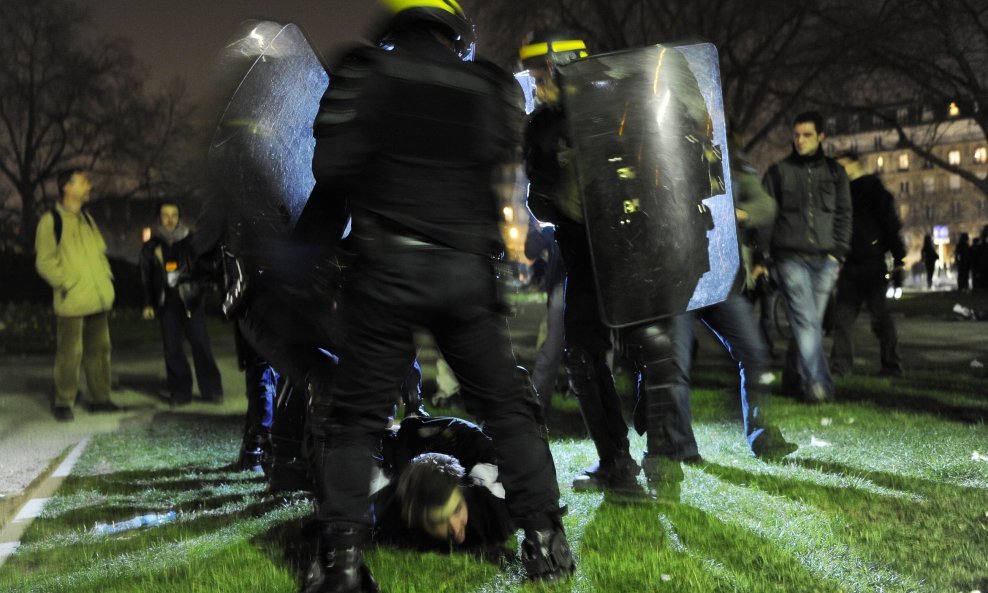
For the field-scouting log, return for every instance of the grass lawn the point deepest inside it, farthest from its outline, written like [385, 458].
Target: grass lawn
[886, 494]
[883, 500]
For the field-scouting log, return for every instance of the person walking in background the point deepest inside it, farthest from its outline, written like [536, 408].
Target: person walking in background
[863, 278]
[173, 297]
[732, 321]
[979, 261]
[929, 256]
[962, 259]
[71, 257]
[812, 233]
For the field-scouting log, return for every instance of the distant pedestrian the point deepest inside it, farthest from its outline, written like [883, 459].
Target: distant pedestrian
[962, 258]
[174, 297]
[864, 276]
[71, 257]
[979, 261]
[929, 256]
[812, 234]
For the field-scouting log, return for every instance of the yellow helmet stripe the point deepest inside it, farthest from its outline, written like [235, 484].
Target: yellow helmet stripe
[450, 6]
[540, 49]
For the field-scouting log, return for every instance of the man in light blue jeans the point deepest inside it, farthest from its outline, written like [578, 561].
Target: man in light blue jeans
[806, 283]
[811, 235]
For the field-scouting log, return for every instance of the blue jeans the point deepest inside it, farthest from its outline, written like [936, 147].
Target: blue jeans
[732, 322]
[806, 282]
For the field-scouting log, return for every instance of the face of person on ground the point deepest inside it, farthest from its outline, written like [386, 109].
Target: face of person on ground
[168, 215]
[805, 138]
[78, 188]
[448, 521]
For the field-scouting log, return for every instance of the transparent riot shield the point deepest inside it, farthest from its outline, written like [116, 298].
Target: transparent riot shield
[261, 152]
[648, 132]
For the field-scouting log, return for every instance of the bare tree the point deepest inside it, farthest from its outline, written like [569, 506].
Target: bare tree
[919, 53]
[66, 101]
[773, 53]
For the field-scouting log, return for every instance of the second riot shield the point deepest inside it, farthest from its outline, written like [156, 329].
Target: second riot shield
[261, 153]
[650, 143]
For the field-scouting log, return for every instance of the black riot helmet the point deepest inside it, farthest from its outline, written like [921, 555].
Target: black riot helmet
[445, 15]
[552, 48]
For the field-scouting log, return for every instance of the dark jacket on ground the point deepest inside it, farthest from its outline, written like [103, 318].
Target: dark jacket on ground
[814, 206]
[876, 224]
[489, 525]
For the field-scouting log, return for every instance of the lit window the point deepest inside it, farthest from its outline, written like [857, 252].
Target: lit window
[955, 183]
[954, 157]
[929, 185]
[904, 161]
[953, 110]
[981, 155]
[880, 164]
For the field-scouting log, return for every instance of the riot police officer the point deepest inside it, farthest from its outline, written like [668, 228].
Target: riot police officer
[410, 135]
[554, 196]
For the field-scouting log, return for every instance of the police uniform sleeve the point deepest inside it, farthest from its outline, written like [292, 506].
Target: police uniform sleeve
[343, 129]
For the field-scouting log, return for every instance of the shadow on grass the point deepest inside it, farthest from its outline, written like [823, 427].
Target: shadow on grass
[936, 532]
[684, 549]
[913, 402]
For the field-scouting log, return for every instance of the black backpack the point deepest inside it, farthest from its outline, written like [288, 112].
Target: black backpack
[57, 221]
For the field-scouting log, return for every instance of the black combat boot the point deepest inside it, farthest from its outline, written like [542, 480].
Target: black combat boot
[254, 452]
[545, 553]
[664, 477]
[339, 565]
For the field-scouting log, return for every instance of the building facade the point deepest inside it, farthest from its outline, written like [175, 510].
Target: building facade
[930, 200]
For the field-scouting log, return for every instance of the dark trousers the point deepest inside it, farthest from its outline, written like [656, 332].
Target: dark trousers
[857, 285]
[587, 343]
[175, 324]
[393, 290]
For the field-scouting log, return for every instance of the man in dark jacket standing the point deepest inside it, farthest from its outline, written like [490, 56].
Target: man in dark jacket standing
[411, 135]
[171, 295]
[863, 278]
[811, 236]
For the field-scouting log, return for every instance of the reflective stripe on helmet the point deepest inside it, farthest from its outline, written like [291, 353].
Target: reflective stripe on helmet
[535, 50]
[450, 6]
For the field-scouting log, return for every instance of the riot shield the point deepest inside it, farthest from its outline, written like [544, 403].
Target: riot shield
[650, 144]
[261, 152]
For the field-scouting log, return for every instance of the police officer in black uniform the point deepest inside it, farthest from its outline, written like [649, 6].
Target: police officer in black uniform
[410, 135]
[555, 197]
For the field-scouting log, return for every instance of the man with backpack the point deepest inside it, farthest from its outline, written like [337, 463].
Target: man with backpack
[71, 257]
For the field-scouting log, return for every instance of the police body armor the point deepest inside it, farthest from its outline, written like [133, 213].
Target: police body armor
[450, 173]
[649, 144]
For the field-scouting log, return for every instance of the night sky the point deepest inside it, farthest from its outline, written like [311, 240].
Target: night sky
[181, 37]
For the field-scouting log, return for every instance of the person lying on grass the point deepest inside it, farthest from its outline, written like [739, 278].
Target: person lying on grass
[443, 494]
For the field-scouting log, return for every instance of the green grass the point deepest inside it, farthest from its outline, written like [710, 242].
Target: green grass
[893, 503]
